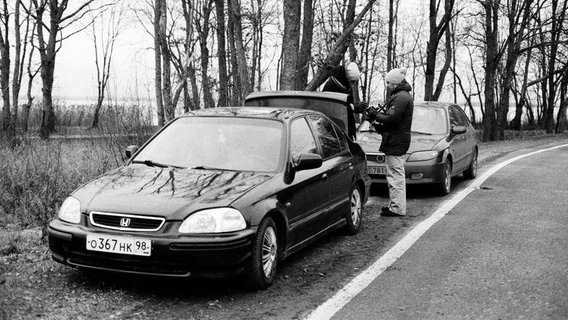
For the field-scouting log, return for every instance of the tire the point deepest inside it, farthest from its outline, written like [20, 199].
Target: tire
[355, 214]
[264, 259]
[445, 185]
[471, 171]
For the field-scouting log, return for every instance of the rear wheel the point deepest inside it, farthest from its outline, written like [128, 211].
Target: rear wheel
[445, 185]
[355, 214]
[264, 259]
[471, 171]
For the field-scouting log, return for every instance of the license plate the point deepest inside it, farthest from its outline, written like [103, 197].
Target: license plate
[377, 170]
[123, 245]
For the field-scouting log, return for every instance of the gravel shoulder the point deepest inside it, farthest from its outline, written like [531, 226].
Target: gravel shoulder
[32, 286]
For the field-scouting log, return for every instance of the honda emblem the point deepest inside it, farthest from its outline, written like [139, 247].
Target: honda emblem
[124, 222]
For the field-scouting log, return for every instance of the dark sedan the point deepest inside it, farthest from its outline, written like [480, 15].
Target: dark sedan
[443, 144]
[217, 192]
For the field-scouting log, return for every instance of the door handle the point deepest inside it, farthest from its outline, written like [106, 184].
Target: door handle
[324, 176]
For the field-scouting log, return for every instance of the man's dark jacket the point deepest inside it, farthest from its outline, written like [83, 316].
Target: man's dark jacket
[397, 121]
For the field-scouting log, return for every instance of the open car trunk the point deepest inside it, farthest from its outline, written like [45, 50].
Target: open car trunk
[333, 105]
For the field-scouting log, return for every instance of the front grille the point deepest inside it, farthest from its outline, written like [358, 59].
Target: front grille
[127, 222]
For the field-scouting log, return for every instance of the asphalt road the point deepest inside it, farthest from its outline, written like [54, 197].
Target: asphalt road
[500, 253]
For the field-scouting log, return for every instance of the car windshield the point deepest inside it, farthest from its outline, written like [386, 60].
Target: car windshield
[227, 143]
[427, 120]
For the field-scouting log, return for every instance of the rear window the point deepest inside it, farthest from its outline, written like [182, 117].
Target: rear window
[337, 112]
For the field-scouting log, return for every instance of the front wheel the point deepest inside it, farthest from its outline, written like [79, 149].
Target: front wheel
[264, 259]
[471, 171]
[446, 185]
[355, 214]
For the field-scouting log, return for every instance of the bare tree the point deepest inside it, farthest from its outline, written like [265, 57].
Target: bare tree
[166, 59]
[5, 63]
[222, 54]
[519, 15]
[437, 31]
[491, 10]
[158, 64]
[338, 50]
[202, 25]
[290, 44]
[305, 54]
[243, 86]
[48, 45]
[558, 17]
[108, 29]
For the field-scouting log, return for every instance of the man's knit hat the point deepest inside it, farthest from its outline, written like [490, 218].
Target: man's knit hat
[352, 71]
[395, 76]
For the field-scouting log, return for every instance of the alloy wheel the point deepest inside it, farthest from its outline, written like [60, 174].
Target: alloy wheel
[269, 250]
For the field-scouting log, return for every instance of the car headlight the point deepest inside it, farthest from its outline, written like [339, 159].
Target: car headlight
[422, 156]
[70, 210]
[214, 221]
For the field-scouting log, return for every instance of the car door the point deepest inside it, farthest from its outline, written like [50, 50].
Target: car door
[307, 197]
[470, 137]
[338, 166]
[458, 144]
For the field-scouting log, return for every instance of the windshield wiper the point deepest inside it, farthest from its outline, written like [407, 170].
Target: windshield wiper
[425, 133]
[151, 163]
[212, 168]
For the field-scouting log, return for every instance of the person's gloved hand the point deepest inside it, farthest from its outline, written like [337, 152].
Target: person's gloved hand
[372, 114]
[361, 107]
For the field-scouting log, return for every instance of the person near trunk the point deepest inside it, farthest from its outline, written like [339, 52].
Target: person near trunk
[394, 126]
[343, 79]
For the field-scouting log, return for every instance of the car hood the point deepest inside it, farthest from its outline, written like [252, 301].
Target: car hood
[167, 192]
[371, 141]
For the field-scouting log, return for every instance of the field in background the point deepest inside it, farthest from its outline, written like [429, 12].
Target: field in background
[37, 175]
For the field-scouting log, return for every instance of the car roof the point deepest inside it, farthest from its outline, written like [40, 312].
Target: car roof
[251, 112]
[326, 95]
[434, 104]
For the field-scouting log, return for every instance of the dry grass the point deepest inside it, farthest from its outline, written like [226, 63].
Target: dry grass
[36, 176]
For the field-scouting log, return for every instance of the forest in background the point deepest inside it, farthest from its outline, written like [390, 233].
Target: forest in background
[494, 57]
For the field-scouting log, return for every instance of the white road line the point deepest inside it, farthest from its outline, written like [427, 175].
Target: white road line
[349, 291]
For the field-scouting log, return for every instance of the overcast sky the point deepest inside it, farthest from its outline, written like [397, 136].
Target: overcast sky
[132, 72]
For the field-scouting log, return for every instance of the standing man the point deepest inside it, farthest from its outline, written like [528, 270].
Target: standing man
[394, 126]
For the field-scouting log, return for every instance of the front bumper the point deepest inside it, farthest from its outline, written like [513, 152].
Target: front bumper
[416, 172]
[175, 256]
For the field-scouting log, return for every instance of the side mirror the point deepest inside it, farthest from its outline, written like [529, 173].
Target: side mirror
[130, 151]
[307, 161]
[459, 129]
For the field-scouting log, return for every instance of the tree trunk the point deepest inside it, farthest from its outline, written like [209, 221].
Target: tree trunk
[491, 62]
[290, 44]
[446, 67]
[516, 122]
[390, 36]
[193, 84]
[236, 83]
[222, 53]
[242, 69]
[349, 17]
[18, 67]
[28, 105]
[158, 65]
[169, 108]
[556, 30]
[305, 54]
[5, 66]
[437, 30]
[203, 31]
